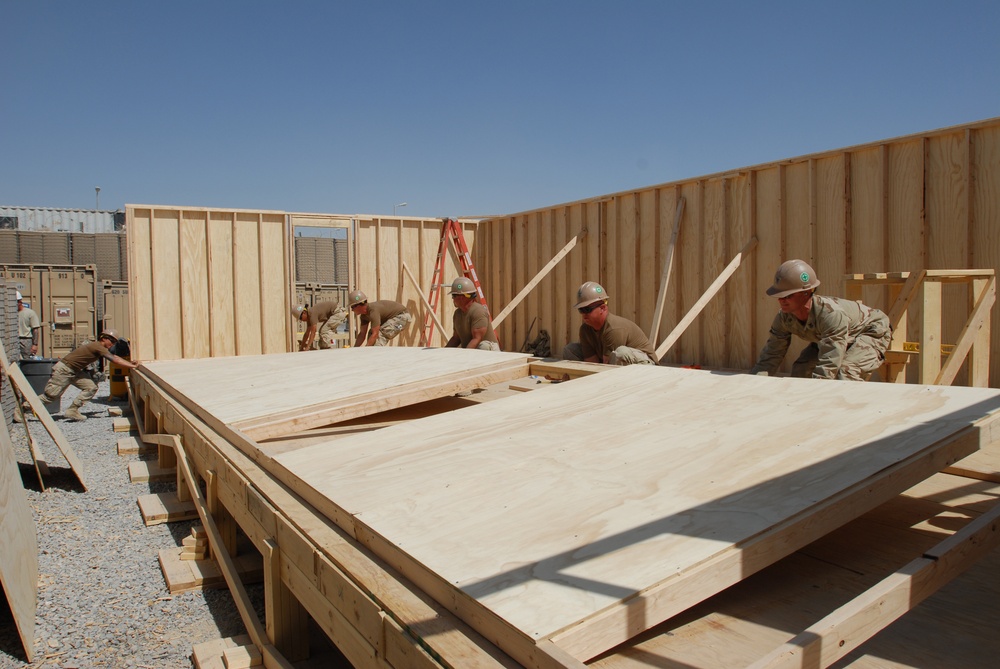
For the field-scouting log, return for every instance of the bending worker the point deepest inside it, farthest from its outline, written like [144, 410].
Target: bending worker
[384, 318]
[605, 337]
[326, 317]
[848, 339]
[473, 328]
[72, 369]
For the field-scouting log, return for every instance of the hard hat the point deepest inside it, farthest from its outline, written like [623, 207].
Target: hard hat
[463, 286]
[356, 298]
[19, 296]
[588, 293]
[110, 333]
[297, 312]
[793, 276]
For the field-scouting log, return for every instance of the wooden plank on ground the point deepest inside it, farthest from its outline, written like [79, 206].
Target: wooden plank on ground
[144, 471]
[191, 575]
[165, 508]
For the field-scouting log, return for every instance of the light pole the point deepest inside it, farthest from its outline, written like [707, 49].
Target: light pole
[397, 206]
[97, 189]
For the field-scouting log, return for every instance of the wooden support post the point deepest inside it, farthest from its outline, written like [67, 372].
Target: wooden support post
[286, 620]
[427, 305]
[272, 658]
[695, 310]
[970, 335]
[535, 281]
[979, 354]
[930, 332]
[223, 519]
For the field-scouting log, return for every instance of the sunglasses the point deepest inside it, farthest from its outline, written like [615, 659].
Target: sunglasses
[589, 308]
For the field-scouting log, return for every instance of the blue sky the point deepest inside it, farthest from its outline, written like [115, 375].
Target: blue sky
[461, 108]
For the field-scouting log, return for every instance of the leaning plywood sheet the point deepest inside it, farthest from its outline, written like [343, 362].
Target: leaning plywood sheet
[275, 395]
[564, 521]
[18, 546]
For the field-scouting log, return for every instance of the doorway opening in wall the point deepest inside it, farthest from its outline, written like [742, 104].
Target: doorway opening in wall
[322, 265]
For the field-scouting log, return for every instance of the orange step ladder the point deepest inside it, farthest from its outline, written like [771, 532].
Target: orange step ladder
[451, 231]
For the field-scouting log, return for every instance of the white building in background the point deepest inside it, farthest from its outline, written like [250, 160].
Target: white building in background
[44, 219]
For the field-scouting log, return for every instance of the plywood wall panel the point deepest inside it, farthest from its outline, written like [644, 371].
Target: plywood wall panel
[647, 269]
[926, 200]
[246, 273]
[798, 218]
[738, 293]
[985, 228]
[194, 291]
[207, 282]
[164, 239]
[140, 282]
[716, 254]
[769, 254]
[274, 268]
[222, 311]
[668, 200]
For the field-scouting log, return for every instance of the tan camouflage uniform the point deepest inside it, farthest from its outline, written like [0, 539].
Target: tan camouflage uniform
[849, 340]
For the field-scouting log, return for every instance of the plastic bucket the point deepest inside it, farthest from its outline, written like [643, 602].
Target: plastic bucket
[38, 371]
[118, 379]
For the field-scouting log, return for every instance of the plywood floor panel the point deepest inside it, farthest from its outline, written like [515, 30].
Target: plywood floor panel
[546, 509]
[240, 388]
[549, 506]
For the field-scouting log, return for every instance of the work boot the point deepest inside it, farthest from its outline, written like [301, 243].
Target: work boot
[73, 413]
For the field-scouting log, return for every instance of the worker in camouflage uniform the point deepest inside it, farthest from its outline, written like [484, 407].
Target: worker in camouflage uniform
[326, 317]
[605, 337]
[384, 318]
[473, 328]
[72, 369]
[848, 339]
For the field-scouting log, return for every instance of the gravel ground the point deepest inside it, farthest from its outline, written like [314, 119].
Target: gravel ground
[102, 600]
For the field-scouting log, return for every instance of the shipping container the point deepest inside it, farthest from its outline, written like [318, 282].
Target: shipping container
[65, 298]
[114, 307]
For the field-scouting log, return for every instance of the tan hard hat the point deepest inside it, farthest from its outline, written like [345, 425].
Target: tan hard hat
[590, 292]
[463, 286]
[793, 276]
[297, 311]
[110, 333]
[357, 297]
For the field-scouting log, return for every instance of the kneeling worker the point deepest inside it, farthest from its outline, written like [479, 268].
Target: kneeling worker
[473, 328]
[605, 337]
[384, 318]
[323, 316]
[849, 339]
[72, 369]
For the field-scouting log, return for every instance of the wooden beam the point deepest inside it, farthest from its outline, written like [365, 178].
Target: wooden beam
[535, 281]
[695, 310]
[668, 266]
[296, 420]
[848, 627]
[254, 627]
[20, 383]
[427, 305]
[980, 315]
